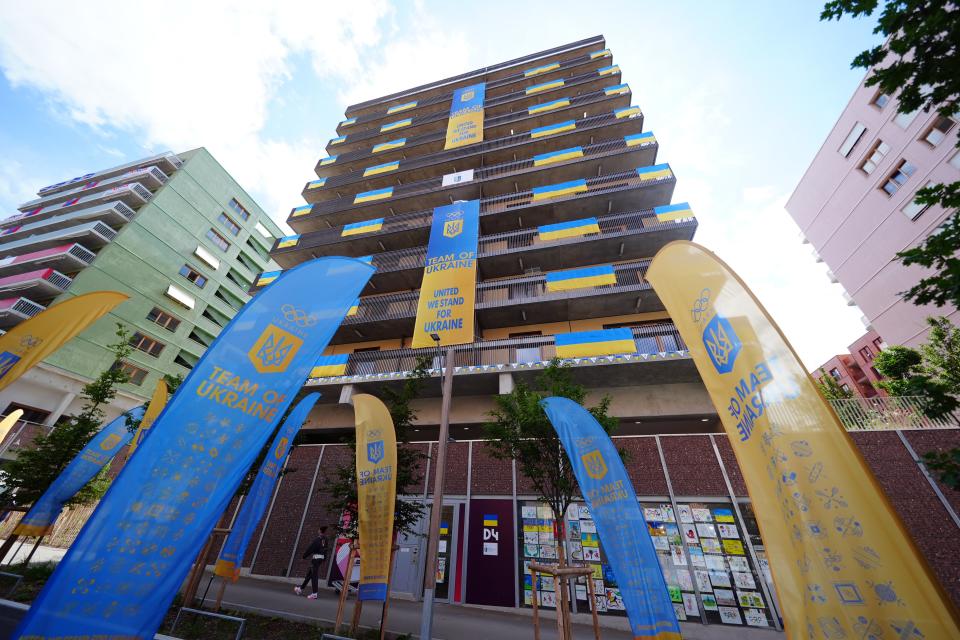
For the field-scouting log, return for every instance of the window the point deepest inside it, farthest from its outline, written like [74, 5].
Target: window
[914, 209]
[201, 337]
[866, 354]
[30, 414]
[215, 317]
[135, 373]
[845, 387]
[880, 100]
[186, 359]
[226, 221]
[835, 373]
[878, 344]
[904, 120]
[217, 240]
[162, 318]
[899, 177]
[875, 157]
[938, 131]
[146, 344]
[236, 206]
[852, 139]
[955, 160]
[237, 279]
[193, 276]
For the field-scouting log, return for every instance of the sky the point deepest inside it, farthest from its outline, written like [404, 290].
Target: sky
[739, 94]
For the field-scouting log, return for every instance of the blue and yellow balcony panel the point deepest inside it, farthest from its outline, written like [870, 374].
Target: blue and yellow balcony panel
[494, 75]
[436, 120]
[588, 111]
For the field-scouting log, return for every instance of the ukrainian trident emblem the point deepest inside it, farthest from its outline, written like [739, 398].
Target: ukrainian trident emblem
[594, 464]
[375, 451]
[722, 344]
[273, 350]
[452, 228]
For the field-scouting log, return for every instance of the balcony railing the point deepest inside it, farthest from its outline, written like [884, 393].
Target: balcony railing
[15, 310]
[21, 436]
[883, 412]
[657, 341]
[150, 178]
[39, 285]
[91, 234]
[114, 214]
[167, 162]
[131, 195]
[67, 258]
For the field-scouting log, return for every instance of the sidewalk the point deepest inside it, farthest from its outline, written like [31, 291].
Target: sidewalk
[450, 622]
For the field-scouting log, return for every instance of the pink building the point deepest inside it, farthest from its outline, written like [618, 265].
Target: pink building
[855, 205]
[854, 371]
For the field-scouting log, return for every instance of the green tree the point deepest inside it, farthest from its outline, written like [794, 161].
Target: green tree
[941, 353]
[920, 61]
[342, 481]
[830, 388]
[26, 478]
[904, 375]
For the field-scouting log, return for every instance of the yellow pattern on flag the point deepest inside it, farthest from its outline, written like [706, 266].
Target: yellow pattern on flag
[33, 340]
[376, 493]
[843, 564]
[157, 402]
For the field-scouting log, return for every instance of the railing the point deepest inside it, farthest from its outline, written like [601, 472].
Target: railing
[21, 436]
[887, 413]
[96, 186]
[498, 293]
[650, 340]
[166, 158]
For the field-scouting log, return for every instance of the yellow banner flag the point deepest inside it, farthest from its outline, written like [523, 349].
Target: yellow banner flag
[843, 564]
[376, 493]
[7, 423]
[33, 340]
[157, 402]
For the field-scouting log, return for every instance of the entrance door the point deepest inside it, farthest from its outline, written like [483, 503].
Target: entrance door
[446, 554]
[406, 565]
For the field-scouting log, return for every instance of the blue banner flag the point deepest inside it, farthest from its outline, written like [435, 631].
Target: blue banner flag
[610, 497]
[120, 575]
[231, 556]
[81, 470]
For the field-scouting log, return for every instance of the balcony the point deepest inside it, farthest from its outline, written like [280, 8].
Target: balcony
[132, 195]
[114, 214]
[151, 178]
[167, 162]
[67, 258]
[509, 302]
[488, 74]
[628, 236]
[426, 187]
[43, 284]
[589, 91]
[93, 235]
[661, 357]
[13, 311]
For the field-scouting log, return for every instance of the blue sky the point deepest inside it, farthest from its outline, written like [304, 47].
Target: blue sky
[740, 95]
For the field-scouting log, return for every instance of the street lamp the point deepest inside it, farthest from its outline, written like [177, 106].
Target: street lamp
[430, 582]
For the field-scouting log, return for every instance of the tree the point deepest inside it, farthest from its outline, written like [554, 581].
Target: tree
[920, 61]
[941, 354]
[342, 481]
[831, 389]
[35, 469]
[902, 369]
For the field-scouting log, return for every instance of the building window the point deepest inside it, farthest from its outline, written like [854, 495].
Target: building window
[231, 226]
[866, 354]
[899, 177]
[878, 344]
[845, 387]
[193, 276]
[30, 414]
[162, 318]
[914, 209]
[904, 120]
[146, 344]
[875, 157]
[134, 373]
[852, 139]
[835, 373]
[938, 131]
[880, 100]
[218, 240]
[955, 160]
[236, 206]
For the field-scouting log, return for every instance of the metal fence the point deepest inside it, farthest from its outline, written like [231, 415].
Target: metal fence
[883, 413]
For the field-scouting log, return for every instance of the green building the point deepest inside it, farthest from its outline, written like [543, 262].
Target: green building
[175, 232]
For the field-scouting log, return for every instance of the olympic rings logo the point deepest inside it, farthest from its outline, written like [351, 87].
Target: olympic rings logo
[298, 316]
[701, 305]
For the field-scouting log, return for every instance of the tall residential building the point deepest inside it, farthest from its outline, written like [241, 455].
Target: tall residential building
[573, 204]
[855, 205]
[175, 232]
[854, 371]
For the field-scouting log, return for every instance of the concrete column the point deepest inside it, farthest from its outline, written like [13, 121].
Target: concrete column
[506, 383]
[65, 401]
[346, 394]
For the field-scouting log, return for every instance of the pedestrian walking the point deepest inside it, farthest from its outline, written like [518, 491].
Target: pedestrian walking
[317, 552]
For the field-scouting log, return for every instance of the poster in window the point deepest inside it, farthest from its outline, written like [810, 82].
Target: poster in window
[528, 512]
[652, 514]
[750, 599]
[675, 594]
[733, 547]
[546, 538]
[696, 557]
[576, 551]
[702, 515]
[720, 578]
[703, 580]
[725, 597]
[684, 580]
[614, 600]
[716, 563]
[661, 543]
[573, 530]
[677, 554]
[730, 615]
[738, 564]
[601, 600]
[744, 580]
[531, 550]
[689, 534]
[755, 618]
[546, 583]
[678, 609]
[588, 526]
[723, 515]
[548, 598]
[710, 545]
[690, 604]
[728, 531]
[709, 602]
[548, 551]
[706, 530]
[591, 554]
[686, 515]
[531, 537]
[581, 591]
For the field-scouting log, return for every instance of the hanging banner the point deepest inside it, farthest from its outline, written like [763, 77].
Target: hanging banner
[465, 125]
[157, 403]
[376, 493]
[446, 304]
[75, 476]
[33, 340]
[843, 564]
[231, 556]
[120, 575]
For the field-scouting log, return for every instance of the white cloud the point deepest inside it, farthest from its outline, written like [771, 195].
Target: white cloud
[16, 187]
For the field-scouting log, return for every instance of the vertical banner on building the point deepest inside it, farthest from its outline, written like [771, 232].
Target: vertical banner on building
[157, 403]
[465, 125]
[376, 493]
[843, 564]
[33, 340]
[609, 495]
[446, 305]
[81, 470]
[120, 575]
[231, 556]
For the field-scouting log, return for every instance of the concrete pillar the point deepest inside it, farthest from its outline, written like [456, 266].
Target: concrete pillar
[65, 401]
[506, 383]
[346, 394]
